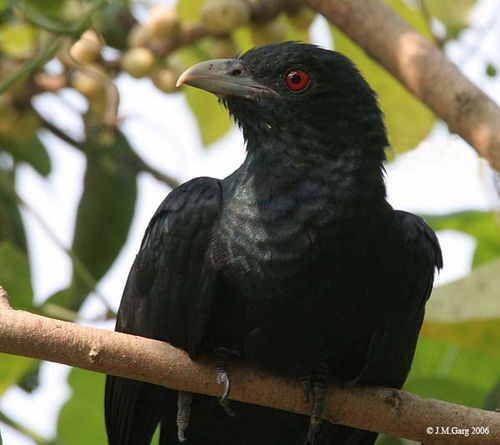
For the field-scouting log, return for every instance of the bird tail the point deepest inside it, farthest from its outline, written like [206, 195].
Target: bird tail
[133, 410]
[331, 434]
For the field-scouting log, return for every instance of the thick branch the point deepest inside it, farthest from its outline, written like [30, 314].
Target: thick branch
[378, 409]
[421, 68]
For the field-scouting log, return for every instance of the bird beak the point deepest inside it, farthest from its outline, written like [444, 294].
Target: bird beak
[224, 77]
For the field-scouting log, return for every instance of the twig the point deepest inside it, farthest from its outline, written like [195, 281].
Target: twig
[35, 437]
[56, 131]
[376, 409]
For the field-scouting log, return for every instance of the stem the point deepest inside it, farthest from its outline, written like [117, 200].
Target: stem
[387, 410]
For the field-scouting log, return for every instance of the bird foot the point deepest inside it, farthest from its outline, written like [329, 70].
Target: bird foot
[315, 392]
[184, 400]
[222, 353]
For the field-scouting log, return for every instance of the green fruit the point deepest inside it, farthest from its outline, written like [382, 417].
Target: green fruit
[89, 82]
[223, 16]
[138, 36]
[163, 22]
[138, 62]
[87, 49]
[165, 80]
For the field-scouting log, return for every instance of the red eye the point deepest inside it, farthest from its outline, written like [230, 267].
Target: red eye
[297, 80]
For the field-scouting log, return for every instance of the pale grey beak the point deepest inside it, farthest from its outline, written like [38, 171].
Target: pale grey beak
[224, 77]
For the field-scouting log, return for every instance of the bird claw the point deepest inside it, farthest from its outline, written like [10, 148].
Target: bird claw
[315, 392]
[306, 387]
[223, 379]
[221, 355]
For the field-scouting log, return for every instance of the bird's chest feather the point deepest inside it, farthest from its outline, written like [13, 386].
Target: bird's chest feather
[283, 237]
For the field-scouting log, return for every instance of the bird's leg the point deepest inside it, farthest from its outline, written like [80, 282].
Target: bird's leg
[315, 391]
[222, 353]
[184, 400]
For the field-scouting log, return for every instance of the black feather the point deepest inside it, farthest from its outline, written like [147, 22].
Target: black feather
[294, 259]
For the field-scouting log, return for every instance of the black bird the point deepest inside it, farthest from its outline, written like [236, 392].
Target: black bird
[295, 263]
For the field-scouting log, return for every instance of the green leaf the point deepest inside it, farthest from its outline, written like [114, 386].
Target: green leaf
[213, 120]
[477, 335]
[47, 7]
[30, 150]
[3, 7]
[446, 389]
[407, 120]
[454, 14]
[484, 226]
[11, 223]
[81, 420]
[18, 39]
[189, 10]
[475, 297]
[439, 359]
[13, 369]
[105, 211]
[56, 306]
[492, 400]
[15, 275]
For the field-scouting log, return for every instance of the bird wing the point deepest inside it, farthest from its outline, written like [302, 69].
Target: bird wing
[422, 256]
[427, 253]
[169, 289]
[168, 297]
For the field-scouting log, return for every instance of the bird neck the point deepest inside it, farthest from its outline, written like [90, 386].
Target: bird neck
[354, 175]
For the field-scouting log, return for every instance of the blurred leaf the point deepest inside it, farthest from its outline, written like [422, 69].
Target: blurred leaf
[446, 389]
[295, 34]
[243, 38]
[189, 10]
[484, 226]
[31, 379]
[474, 297]
[81, 420]
[11, 223]
[47, 7]
[454, 14]
[204, 104]
[477, 335]
[15, 275]
[492, 400]
[105, 211]
[384, 439]
[3, 7]
[56, 306]
[31, 150]
[436, 358]
[408, 121]
[491, 70]
[13, 368]
[17, 39]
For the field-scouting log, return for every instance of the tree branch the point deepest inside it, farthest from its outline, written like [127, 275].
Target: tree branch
[377, 409]
[421, 68]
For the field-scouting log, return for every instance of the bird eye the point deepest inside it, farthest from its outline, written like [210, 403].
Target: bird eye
[297, 80]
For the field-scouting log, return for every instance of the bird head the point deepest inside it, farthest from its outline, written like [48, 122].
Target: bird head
[299, 94]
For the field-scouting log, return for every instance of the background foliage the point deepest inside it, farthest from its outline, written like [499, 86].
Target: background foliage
[458, 357]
